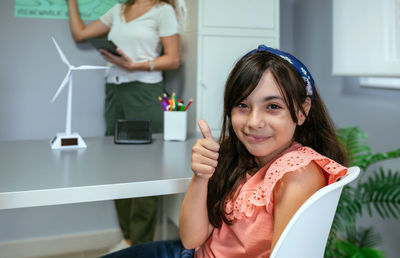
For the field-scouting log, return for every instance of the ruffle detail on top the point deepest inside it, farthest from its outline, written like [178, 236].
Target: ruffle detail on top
[258, 190]
[245, 203]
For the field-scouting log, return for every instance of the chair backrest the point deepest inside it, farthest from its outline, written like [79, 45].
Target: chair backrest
[306, 234]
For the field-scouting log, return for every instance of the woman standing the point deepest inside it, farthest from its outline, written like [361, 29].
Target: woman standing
[146, 33]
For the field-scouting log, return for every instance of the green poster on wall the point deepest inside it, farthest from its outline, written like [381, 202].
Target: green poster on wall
[57, 9]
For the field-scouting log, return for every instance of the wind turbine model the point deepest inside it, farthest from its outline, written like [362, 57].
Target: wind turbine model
[68, 140]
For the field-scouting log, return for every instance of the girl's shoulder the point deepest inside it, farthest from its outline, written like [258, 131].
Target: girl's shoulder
[302, 183]
[301, 157]
[302, 165]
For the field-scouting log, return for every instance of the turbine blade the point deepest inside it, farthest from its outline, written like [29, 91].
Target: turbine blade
[63, 58]
[90, 67]
[64, 82]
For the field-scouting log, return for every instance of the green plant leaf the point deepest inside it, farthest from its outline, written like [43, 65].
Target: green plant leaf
[369, 253]
[381, 191]
[348, 249]
[380, 157]
[367, 238]
[355, 143]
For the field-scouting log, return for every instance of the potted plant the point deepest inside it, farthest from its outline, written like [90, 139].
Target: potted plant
[372, 191]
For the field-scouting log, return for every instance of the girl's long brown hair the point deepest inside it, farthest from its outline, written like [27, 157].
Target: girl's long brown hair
[234, 161]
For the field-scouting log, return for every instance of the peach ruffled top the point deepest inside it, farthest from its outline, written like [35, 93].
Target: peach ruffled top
[251, 211]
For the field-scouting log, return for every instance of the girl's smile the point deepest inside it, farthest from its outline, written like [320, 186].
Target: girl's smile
[262, 121]
[256, 138]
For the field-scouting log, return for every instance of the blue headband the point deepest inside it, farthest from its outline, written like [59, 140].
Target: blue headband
[299, 66]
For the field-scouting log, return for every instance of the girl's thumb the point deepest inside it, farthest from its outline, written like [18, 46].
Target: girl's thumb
[205, 129]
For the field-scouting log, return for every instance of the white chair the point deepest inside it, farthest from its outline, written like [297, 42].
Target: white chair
[306, 234]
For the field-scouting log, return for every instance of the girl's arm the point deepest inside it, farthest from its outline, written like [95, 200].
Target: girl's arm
[194, 226]
[169, 60]
[291, 192]
[79, 30]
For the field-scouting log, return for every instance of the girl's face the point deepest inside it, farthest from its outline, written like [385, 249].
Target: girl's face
[262, 121]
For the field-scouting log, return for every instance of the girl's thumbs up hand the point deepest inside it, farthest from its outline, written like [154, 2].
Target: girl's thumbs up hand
[205, 153]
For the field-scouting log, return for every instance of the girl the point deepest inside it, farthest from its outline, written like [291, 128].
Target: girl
[277, 147]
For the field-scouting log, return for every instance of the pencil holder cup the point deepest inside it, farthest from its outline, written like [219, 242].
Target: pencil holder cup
[175, 125]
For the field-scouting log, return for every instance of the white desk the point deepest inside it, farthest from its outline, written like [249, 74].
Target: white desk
[32, 174]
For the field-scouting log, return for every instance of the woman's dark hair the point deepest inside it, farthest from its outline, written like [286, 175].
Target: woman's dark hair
[235, 161]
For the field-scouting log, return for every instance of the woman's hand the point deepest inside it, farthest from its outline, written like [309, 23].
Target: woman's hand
[169, 60]
[79, 30]
[205, 153]
[123, 61]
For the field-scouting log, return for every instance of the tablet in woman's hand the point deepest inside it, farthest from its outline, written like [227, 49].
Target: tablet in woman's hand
[104, 43]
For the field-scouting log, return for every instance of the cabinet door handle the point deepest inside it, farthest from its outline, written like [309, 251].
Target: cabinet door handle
[203, 85]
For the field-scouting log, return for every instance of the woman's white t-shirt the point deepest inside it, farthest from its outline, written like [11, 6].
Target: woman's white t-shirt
[139, 39]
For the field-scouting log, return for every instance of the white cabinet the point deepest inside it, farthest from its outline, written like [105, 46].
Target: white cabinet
[366, 37]
[218, 33]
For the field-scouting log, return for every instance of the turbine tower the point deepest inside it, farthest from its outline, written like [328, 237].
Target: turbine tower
[67, 139]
